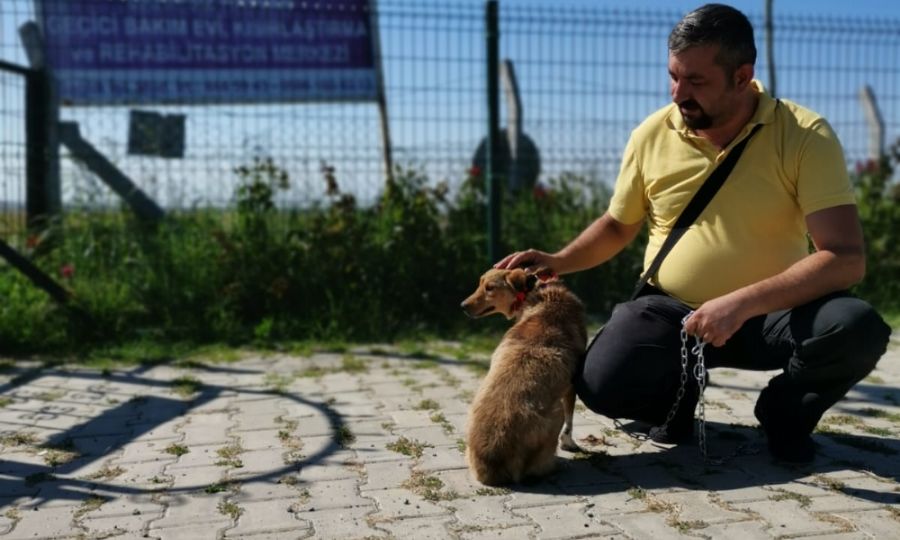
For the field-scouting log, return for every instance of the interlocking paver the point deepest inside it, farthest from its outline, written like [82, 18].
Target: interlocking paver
[318, 455]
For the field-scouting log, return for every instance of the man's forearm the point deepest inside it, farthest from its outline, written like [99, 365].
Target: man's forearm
[814, 276]
[598, 243]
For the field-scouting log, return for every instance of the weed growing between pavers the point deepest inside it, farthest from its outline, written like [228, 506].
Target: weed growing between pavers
[352, 364]
[176, 449]
[439, 418]
[492, 491]
[221, 486]
[785, 495]
[229, 455]
[89, 505]
[106, 473]
[21, 438]
[427, 405]
[291, 442]
[670, 509]
[50, 395]
[230, 509]
[407, 447]
[828, 482]
[874, 412]
[429, 487]
[597, 460]
[843, 524]
[186, 386]
[860, 443]
[344, 437]
[277, 383]
[59, 454]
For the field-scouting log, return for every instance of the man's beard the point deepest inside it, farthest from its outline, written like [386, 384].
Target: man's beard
[700, 121]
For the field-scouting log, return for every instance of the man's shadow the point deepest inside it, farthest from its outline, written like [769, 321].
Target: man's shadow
[738, 459]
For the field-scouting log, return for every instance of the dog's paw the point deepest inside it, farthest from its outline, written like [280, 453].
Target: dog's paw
[567, 443]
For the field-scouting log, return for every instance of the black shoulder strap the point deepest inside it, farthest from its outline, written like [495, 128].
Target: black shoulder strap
[695, 207]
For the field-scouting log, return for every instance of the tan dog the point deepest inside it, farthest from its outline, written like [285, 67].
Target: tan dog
[527, 395]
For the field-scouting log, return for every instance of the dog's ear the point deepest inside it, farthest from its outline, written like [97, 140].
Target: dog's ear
[545, 273]
[517, 279]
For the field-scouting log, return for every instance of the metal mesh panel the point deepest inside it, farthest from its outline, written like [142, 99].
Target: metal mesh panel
[586, 76]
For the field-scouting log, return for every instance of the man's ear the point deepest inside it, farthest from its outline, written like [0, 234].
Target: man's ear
[517, 279]
[743, 75]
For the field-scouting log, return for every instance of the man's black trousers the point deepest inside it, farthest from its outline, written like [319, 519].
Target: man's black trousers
[632, 369]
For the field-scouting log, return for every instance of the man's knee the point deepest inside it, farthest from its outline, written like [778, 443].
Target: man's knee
[629, 368]
[847, 338]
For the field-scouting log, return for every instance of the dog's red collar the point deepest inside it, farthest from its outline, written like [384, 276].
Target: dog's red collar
[529, 286]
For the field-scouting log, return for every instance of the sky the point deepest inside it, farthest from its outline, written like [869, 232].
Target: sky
[267, 129]
[857, 8]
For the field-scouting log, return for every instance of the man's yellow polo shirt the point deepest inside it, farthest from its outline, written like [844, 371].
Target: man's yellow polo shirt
[754, 227]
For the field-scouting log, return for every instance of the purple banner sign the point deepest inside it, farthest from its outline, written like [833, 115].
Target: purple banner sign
[210, 51]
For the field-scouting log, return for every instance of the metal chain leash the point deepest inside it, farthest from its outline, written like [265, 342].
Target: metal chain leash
[699, 373]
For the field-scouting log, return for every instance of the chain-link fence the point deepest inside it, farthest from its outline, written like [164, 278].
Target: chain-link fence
[585, 78]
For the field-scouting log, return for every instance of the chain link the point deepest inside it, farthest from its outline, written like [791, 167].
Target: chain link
[699, 373]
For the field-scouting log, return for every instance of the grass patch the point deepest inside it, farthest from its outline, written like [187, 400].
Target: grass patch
[89, 505]
[59, 454]
[50, 395]
[874, 412]
[828, 482]
[862, 443]
[352, 364]
[186, 386]
[219, 487]
[653, 503]
[313, 372]
[277, 382]
[874, 379]
[407, 447]
[177, 449]
[106, 473]
[461, 446]
[21, 438]
[784, 495]
[492, 491]
[4, 401]
[427, 405]
[439, 418]
[343, 436]
[229, 455]
[844, 420]
[230, 509]
[429, 488]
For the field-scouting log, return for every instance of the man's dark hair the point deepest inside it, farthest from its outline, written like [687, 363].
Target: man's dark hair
[717, 24]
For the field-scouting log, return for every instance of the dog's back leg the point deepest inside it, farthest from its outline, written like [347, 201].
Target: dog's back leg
[566, 442]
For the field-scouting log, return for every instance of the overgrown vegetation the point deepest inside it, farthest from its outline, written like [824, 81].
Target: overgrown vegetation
[259, 275]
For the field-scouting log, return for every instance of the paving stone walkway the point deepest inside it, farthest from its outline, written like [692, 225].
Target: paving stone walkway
[369, 444]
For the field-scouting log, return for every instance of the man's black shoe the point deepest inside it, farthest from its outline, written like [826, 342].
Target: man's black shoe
[681, 428]
[674, 433]
[784, 443]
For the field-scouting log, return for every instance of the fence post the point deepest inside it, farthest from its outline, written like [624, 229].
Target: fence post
[770, 49]
[43, 199]
[492, 161]
[875, 122]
